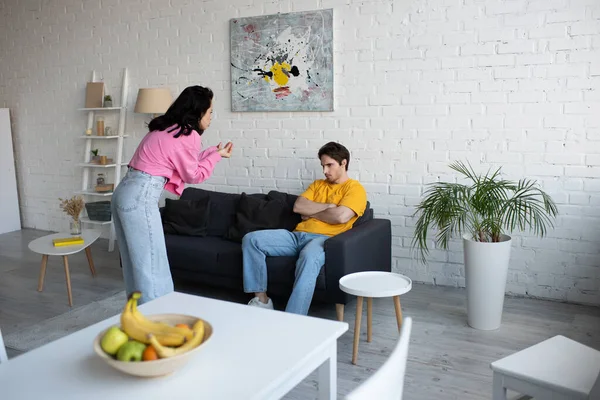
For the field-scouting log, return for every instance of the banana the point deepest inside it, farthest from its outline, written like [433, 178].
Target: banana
[157, 327]
[139, 330]
[137, 327]
[165, 352]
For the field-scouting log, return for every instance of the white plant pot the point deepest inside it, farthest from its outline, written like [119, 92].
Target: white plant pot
[486, 268]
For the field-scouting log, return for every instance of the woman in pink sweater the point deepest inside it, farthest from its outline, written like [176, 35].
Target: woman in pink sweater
[168, 157]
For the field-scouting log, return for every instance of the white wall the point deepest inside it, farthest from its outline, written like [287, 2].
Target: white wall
[500, 83]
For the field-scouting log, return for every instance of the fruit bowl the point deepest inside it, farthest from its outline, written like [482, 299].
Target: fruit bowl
[162, 366]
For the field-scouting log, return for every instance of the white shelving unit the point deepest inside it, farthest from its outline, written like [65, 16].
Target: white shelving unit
[88, 167]
[91, 165]
[102, 137]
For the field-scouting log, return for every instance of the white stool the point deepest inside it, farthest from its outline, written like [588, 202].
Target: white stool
[558, 368]
[371, 284]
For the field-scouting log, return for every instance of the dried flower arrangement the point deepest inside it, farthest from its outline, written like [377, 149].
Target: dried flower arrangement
[73, 206]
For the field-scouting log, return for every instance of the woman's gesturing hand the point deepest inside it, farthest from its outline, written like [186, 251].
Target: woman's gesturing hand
[225, 152]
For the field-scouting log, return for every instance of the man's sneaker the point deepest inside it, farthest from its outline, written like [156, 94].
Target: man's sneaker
[255, 302]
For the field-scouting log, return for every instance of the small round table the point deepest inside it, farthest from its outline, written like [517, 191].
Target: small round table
[371, 284]
[45, 247]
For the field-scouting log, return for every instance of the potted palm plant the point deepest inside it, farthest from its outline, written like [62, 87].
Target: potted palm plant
[483, 213]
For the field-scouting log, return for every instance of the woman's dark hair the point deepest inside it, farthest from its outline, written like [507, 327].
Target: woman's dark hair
[336, 151]
[185, 112]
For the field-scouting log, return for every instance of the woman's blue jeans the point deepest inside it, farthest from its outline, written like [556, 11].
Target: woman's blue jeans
[140, 236]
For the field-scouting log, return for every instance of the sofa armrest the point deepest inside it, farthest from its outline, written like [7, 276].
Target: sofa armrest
[367, 247]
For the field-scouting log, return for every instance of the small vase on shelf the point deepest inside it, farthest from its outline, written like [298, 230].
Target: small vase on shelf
[75, 227]
[100, 126]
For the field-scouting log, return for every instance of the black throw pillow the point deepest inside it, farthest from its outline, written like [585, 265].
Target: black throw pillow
[186, 217]
[289, 219]
[254, 214]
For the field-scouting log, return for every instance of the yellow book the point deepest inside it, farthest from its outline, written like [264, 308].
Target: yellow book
[67, 241]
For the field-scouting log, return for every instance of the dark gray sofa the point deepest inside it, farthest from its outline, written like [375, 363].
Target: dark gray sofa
[215, 261]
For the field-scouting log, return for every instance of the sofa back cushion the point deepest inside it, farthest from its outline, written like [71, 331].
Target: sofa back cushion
[222, 208]
[367, 216]
[289, 218]
[287, 198]
[186, 217]
[254, 214]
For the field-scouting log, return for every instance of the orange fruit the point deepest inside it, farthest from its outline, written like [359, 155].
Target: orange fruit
[149, 354]
[183, 326]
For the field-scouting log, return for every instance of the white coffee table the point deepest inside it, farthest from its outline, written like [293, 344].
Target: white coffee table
[371, 284]
[253, 354]
[45, 247]
[557, 368]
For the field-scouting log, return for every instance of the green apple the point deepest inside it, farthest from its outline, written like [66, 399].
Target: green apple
[131, 351]
[112, 340]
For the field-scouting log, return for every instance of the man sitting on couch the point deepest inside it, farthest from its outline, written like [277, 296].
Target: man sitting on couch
[328, 207]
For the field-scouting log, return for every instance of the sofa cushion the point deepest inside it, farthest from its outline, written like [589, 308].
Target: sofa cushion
[186, 217]
[192, 253]
[253, 214]
[287, 198]
[218, 256]
[367, 216]
[222, 208]
[222, 257]
[289, 218]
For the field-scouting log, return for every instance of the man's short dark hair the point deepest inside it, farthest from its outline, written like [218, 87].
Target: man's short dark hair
[336, 151]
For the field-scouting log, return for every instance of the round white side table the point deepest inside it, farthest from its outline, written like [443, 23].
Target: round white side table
[371, 284]
[45, 247]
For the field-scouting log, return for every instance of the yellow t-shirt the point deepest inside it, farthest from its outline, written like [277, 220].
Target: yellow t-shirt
[350, 194]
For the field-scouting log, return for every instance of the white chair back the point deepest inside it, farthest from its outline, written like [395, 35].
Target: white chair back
[388, 382]
[3, 355]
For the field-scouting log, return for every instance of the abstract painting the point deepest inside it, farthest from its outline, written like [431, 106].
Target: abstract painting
[282, 62]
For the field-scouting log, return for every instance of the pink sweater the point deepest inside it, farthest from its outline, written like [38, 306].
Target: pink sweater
[177, 159]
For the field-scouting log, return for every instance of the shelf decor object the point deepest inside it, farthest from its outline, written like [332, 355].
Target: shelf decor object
[73, 207]
[94, 94]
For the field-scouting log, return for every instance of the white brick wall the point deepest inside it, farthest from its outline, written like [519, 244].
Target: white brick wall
[418, 84]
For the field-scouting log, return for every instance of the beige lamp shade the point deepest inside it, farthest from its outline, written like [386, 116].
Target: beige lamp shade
[153, 101]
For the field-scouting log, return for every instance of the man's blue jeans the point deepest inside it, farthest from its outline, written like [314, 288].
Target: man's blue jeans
[258, 245]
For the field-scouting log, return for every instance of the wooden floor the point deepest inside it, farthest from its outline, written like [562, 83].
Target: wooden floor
[22, 305]
[447, 359]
